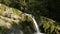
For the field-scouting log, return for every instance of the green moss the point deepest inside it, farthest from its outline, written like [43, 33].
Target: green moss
[16, 11]
[12, 22]
[29, 19]
[0, 17]
[5, 20]
[0, 12]
[6, 15]
[2, 27]
[3, 7]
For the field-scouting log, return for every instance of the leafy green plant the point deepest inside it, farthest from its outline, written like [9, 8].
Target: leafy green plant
[50, 26]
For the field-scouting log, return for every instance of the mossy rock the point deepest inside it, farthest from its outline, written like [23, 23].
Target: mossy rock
[11, 20]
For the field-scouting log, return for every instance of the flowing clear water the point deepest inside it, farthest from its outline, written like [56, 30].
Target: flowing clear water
[35, 24]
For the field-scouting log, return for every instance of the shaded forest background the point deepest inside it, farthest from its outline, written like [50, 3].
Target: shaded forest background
[47, 8]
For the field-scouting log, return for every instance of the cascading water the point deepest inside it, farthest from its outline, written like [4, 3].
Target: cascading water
[35, 24]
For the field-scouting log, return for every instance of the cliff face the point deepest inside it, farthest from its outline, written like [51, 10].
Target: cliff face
[13, 21]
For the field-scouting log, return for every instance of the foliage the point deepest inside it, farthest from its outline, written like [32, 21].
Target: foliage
[50, 26]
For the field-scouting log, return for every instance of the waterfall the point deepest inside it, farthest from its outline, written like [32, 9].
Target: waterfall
[35, 24]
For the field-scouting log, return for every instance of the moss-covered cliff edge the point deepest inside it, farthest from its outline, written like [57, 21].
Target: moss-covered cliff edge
[13, 21]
